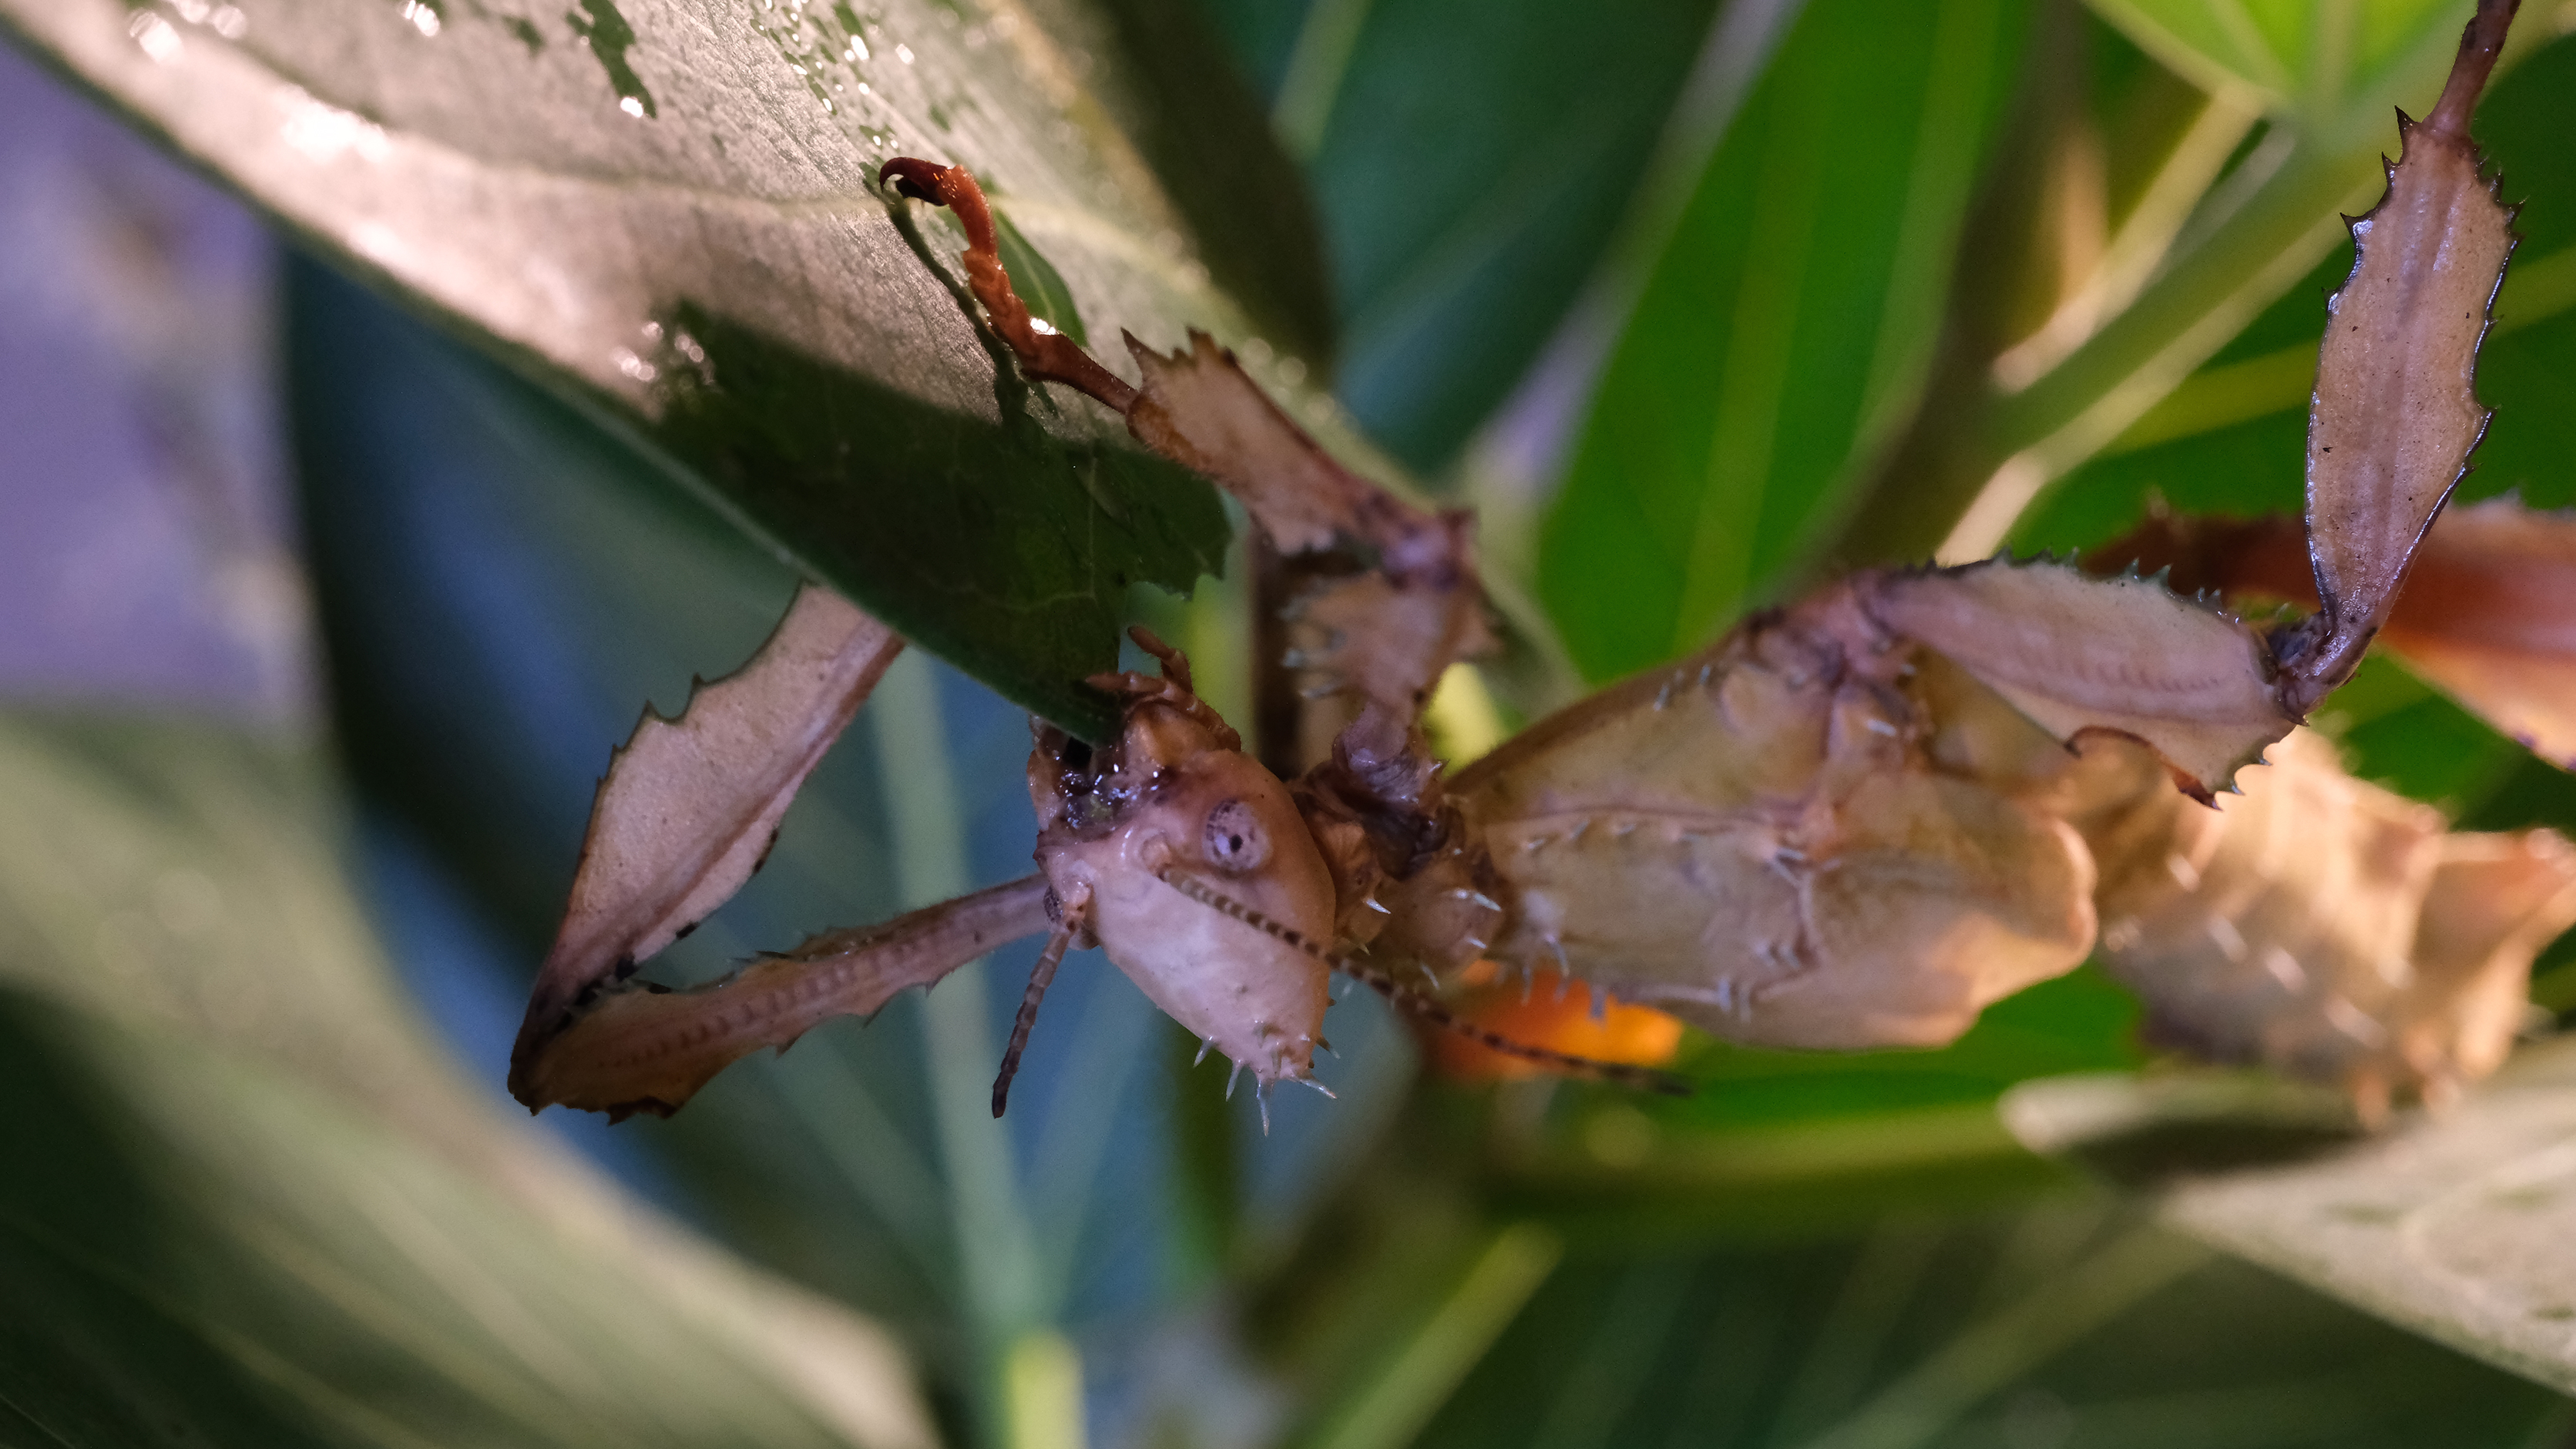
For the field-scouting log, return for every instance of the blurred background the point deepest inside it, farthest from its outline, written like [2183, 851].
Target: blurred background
[317, 624]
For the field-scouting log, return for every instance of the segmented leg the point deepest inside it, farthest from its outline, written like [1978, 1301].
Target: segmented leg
[1040, 977]
[649, 1048]
[1048, 356]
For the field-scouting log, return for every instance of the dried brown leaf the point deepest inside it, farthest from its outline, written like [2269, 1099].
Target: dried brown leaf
[690, 806]
[2085, 656]
[2395, 414]
[646, 1048]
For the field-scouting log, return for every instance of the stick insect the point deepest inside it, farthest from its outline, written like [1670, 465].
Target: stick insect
[1853, 822]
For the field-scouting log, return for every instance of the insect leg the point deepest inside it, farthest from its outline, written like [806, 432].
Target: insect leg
[1048, 356]
[646, 1047]
[1039, 978]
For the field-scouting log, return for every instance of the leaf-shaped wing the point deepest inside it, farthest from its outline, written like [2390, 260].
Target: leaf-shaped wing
[2489, 612]
[2082, 655]
[647, 1048]
[690, 805]
[2394, 416]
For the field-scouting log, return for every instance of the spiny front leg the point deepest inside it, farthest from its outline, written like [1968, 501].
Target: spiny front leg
[642, 1047]
[690, 808]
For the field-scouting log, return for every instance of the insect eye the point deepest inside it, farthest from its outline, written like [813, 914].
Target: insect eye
[1234, 840]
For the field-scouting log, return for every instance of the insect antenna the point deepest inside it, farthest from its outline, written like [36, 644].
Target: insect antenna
[1423, 1007]
[1039, 977]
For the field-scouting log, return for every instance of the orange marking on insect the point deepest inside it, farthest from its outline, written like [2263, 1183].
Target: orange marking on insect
[1543, 1010]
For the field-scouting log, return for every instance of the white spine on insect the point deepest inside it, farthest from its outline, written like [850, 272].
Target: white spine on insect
[1191, 867]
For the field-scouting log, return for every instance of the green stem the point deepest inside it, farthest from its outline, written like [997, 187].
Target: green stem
[997, 1260]
[1313, 84]
[1918, 1407]
[1392, 1408]
[1954, 465]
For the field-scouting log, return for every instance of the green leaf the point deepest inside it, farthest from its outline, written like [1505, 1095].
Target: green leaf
[666, 211]
[2067, 1324]
[1785, 330]
[2231, 437]
[255, 1205]
[1983, 449]
[1470, 177]
[2310, 60]
[2454, 1226]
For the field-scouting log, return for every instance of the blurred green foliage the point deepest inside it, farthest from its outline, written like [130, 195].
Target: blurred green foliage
[1785, 328]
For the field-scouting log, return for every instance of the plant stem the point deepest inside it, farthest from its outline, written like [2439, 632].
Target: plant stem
[1918, 1407]
[1977, 457]
[1395, 1405]
[997, 1262]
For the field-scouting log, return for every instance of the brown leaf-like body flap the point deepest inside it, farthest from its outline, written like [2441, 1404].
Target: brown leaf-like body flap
[1756, 842]
[647, 1049]
[2394, 415]
[2316, 923]
[2495, 902]
[1199, 409]
[690, 805]
[2489, 612]
[2082, 655]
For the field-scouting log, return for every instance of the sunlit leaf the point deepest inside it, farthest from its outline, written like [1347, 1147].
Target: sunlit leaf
[2230, 438]
[667, 212]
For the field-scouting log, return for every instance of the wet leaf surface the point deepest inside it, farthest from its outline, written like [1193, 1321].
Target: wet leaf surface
[666, 212]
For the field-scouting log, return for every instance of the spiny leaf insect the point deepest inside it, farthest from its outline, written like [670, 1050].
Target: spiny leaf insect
[1853, 822]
